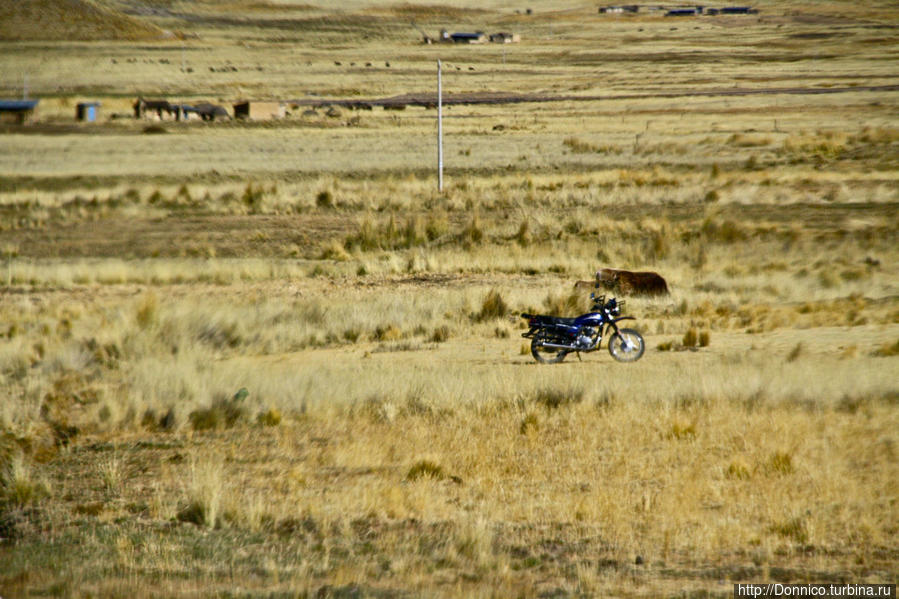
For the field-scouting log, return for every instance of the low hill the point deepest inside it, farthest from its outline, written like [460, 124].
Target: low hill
[69, 20]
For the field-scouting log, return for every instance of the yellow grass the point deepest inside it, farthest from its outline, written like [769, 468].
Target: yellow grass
[271, 358]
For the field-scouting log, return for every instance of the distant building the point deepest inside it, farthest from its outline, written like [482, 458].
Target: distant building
[260, 111]
[504, 37]
[738, 10]
[684, 12]
[631, 8]
[87, 111]
[468, 38]
[17, 112]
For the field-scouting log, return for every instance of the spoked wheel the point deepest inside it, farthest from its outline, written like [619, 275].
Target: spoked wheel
[546, 355]
[626, 345]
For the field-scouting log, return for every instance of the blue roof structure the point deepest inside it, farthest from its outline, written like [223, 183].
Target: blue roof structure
[17, 105]
[467, 36]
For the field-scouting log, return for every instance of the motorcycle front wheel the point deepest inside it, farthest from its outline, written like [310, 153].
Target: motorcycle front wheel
[626, 345]
[546, 355]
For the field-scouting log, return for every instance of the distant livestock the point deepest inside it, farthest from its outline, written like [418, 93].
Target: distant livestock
[210, 112]
[142, 107]
[166, 109]
[625, 282]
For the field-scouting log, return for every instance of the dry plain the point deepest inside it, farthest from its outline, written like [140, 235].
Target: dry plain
[266, 359]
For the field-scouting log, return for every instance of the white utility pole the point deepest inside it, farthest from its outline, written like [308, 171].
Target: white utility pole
[439, 128]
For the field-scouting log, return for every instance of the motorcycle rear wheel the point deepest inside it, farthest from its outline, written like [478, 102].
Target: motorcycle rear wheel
[546, 355]
[626, 345]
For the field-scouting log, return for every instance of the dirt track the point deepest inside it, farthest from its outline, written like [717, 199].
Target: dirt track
[428, 100]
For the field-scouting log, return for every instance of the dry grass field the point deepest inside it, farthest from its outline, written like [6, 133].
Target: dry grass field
[270, 359]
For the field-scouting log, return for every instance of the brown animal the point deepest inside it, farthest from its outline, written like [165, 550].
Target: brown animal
[625, 282]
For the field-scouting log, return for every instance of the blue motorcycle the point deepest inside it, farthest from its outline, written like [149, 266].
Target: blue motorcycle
[553, 337]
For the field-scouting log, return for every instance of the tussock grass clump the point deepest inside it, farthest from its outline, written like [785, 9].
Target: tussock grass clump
[657, 245]
[779, 463]
[152, 421]
[741, 140]
[376, 408]
[570, 304]
[738, 469]
[204, 494]
[726, 231]
[553, 398]
[270, 417]
[324, 199]
[387, 332]
[473, 233]
[223, 413]
[691, 338]
[579, 146]
[18, 486]
[682, 431]
[851, 404]
[524, 236]
[879, 135]
[427, 469]
[112, 473]
[795, 529]
[147, 313]
[333, 250]
[252, 196]
[887, 350]
[667, 346]
[473, 540]
[826, 145]
[493, 306]
[393, 235]
[529, 424]
[441, 333]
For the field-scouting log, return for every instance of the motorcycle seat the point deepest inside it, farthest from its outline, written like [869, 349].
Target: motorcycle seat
[546, 319]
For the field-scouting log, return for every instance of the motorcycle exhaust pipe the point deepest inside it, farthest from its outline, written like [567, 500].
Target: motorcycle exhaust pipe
[559, 346]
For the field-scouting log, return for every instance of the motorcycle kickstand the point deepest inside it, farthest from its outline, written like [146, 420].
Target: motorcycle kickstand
[579, 358]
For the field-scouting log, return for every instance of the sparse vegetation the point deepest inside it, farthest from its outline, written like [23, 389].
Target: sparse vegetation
[269, 358]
